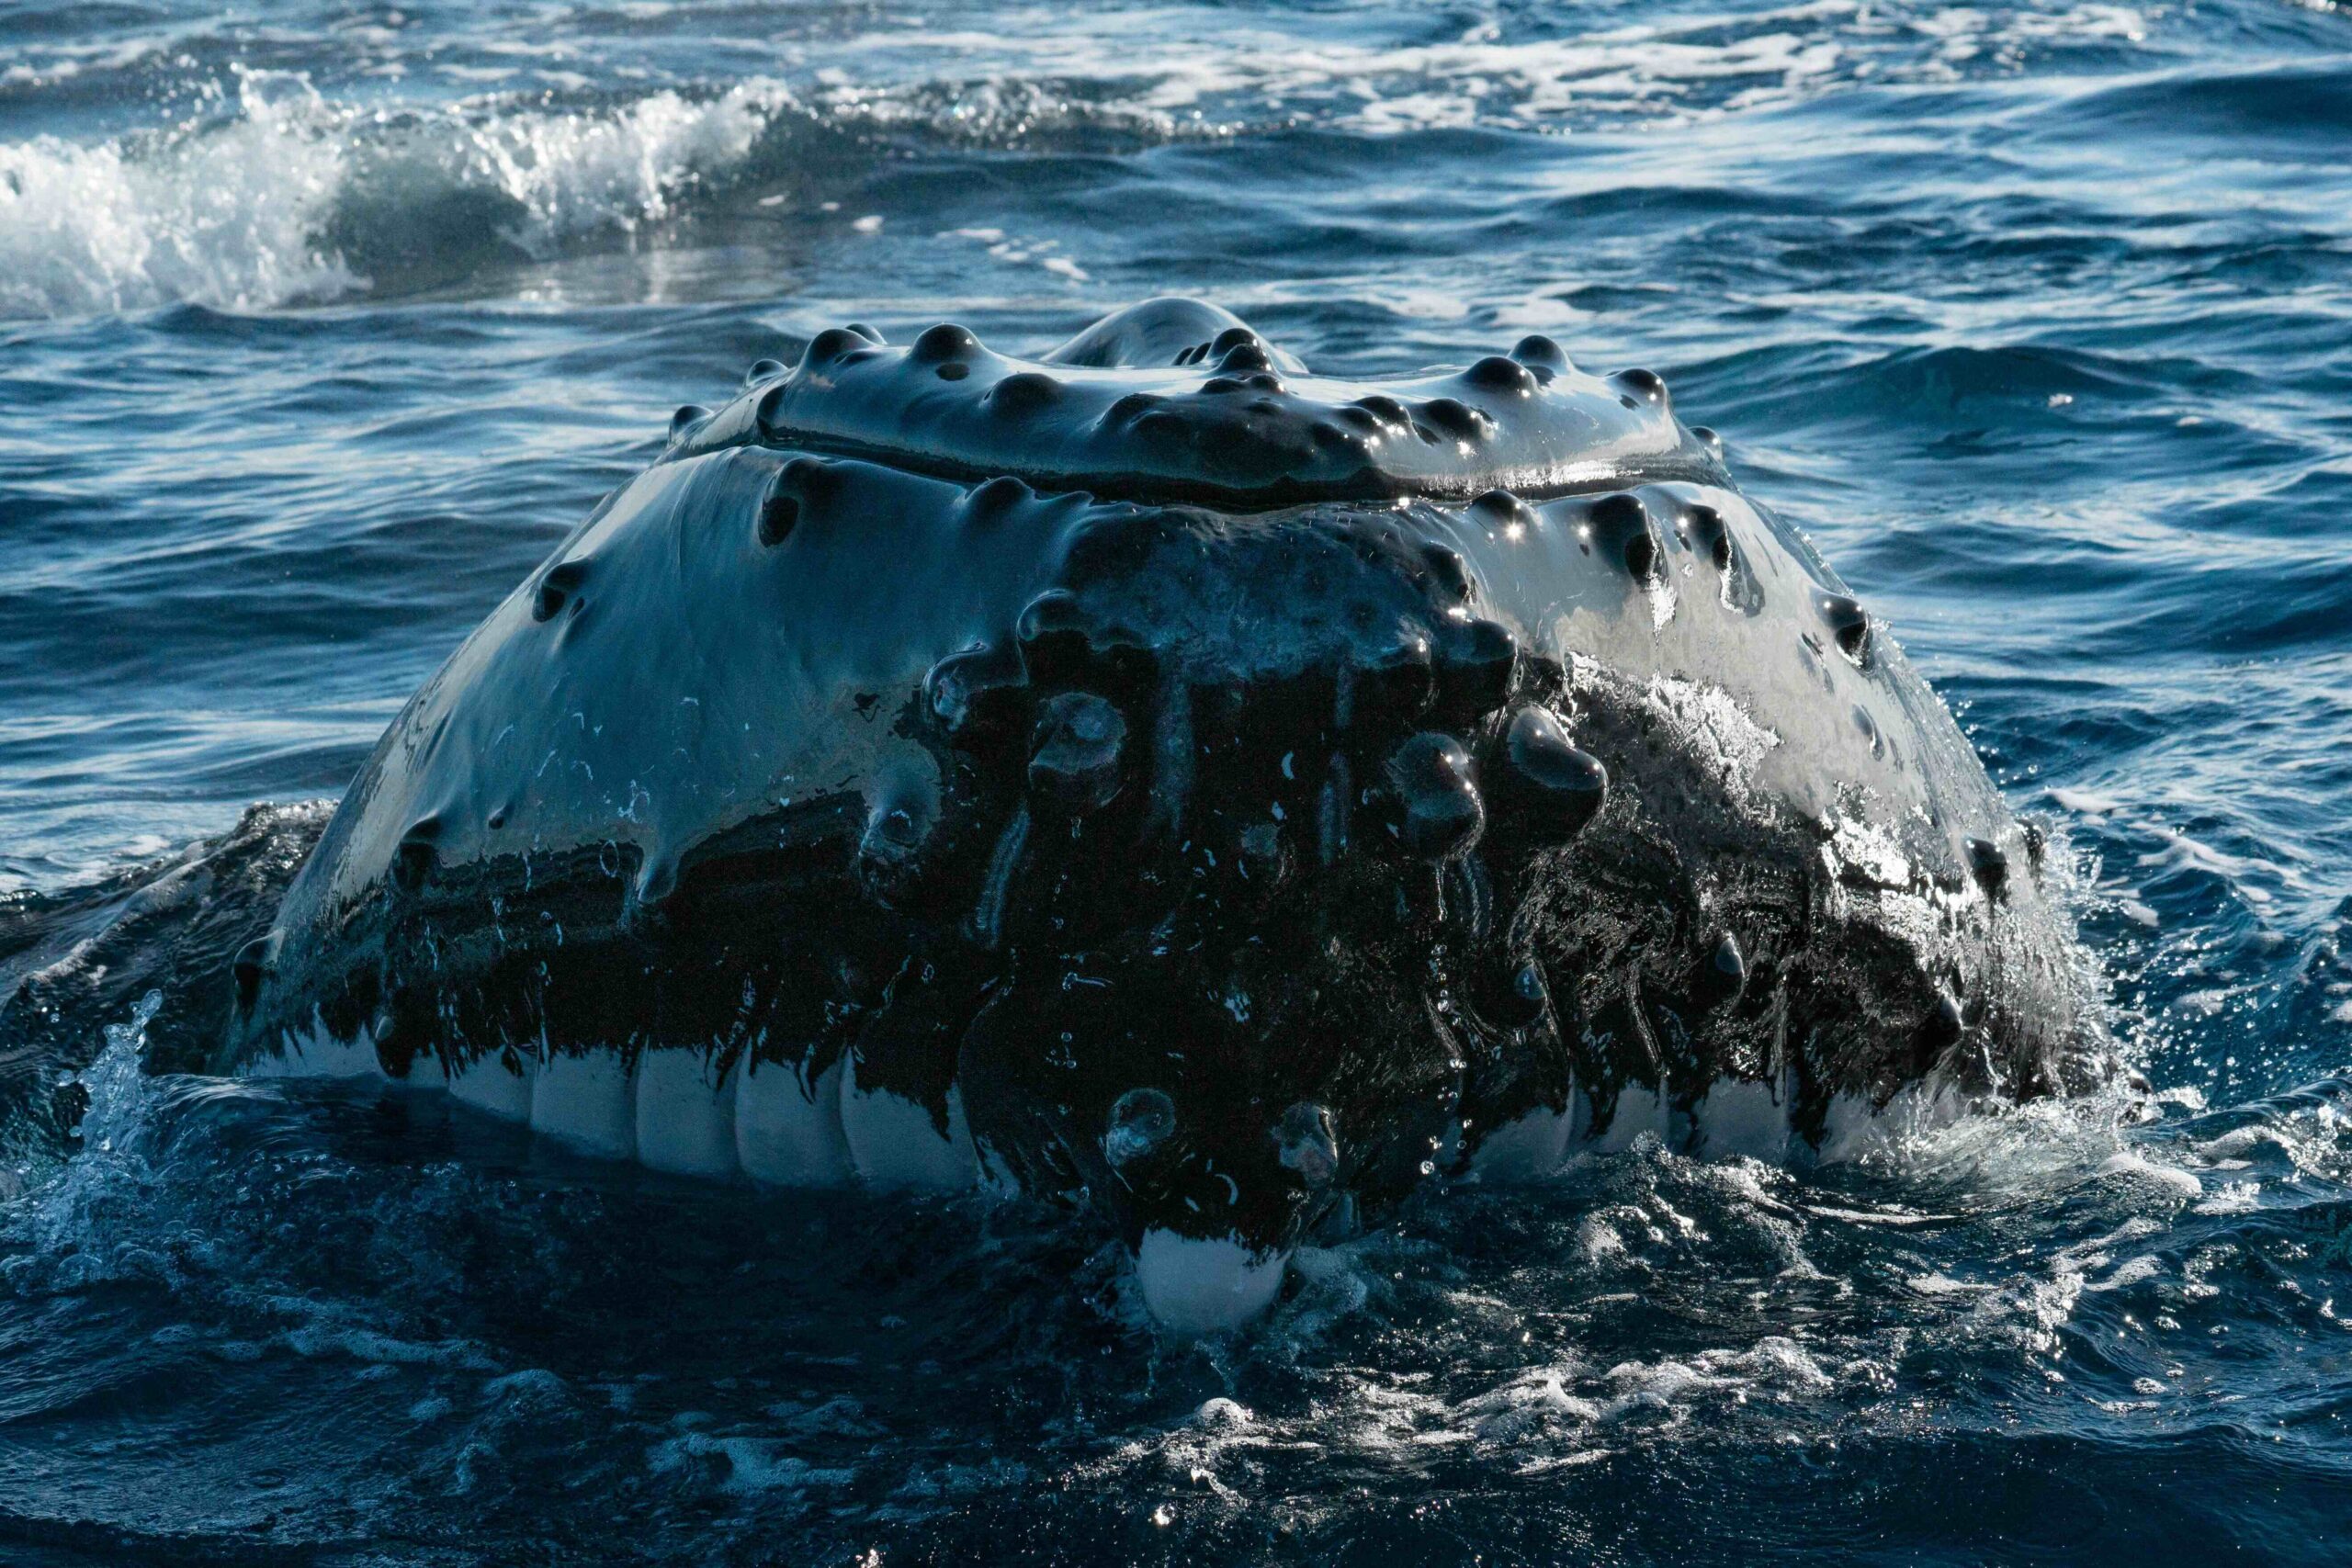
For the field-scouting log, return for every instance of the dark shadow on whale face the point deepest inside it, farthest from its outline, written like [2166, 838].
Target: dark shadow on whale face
[1161, 778]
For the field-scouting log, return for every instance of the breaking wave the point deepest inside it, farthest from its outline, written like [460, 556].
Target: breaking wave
[272, 192]
[289, 199]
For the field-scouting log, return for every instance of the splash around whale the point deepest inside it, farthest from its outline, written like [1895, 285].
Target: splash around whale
[1156, 778]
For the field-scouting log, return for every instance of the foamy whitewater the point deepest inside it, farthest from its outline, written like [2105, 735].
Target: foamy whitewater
[319, 326]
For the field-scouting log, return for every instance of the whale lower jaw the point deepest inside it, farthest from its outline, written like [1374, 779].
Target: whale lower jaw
[674, 1110]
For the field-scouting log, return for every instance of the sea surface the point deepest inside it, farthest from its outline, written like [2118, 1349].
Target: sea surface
[319, 325]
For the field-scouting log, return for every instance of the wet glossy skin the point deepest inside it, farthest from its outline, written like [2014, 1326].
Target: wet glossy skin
[1210, 792]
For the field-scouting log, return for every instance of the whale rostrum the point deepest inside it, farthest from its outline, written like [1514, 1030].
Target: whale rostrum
[1159, 778]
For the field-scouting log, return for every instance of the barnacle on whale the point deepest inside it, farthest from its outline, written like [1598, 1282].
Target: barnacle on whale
[1158, 777]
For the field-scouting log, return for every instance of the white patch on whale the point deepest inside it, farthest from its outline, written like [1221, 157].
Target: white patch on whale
[1527, 1148]
[685, 1112]
[788, 1132]
[315, 1053]
[586, 1101]
[1853, 1130]
[894, 1142]
[1639, 1109]
[1848, 1129]
[1198, 1285]
[1739, 1117]
[996, 1176]
[497, 1082]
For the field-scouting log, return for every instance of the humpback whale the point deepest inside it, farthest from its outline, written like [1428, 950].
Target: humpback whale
[1157, 778]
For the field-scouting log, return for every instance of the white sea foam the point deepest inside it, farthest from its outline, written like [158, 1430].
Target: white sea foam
[744, 1463]
[259, 202]
[222, 216]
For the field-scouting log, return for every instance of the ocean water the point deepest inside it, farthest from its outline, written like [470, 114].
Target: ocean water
[320, 323]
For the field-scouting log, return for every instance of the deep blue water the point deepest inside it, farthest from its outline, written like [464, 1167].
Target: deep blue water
[319, 325]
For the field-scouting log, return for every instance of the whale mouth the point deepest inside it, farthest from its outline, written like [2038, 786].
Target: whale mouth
[1224, 421]
[1272, 491]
